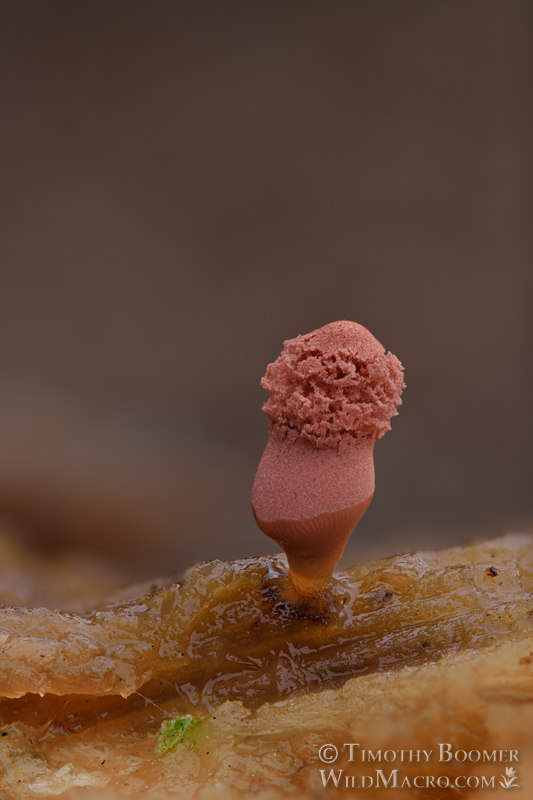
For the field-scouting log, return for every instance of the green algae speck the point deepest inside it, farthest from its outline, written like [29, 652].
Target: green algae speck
[180, 730]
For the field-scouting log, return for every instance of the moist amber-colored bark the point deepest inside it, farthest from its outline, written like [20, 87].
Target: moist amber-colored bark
[399, 651]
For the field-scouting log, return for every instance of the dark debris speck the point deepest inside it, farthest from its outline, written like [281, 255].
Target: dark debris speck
[270, 594]
[289, 611]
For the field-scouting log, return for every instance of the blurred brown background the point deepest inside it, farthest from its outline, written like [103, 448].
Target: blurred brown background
[185, 185]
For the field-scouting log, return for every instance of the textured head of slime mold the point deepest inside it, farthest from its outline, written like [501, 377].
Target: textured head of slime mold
[332, 394]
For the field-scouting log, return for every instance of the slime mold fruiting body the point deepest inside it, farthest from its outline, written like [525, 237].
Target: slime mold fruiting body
[332, 395]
